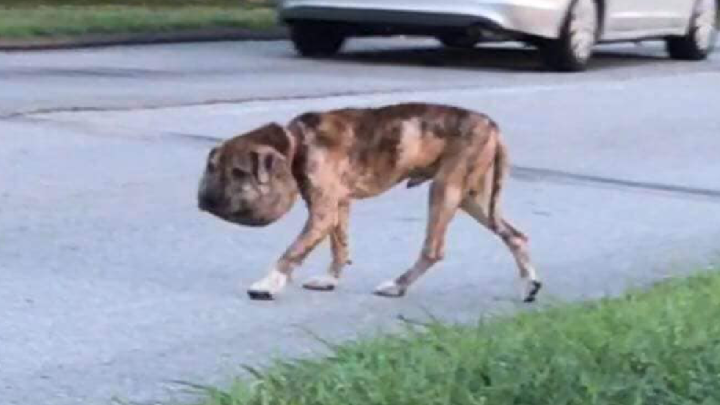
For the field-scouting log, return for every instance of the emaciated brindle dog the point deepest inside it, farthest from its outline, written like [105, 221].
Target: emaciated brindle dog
[332, 158]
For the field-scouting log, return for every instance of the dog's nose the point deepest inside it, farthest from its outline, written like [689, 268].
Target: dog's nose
[208, 202]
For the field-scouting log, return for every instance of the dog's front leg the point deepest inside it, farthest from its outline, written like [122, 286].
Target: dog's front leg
[340, 253]
[322, 219]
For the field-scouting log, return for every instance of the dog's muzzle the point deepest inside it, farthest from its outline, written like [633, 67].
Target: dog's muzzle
[209, 202]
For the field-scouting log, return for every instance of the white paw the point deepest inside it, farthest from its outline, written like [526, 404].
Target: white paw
[389, 289]
[269, 287]
[322, 283]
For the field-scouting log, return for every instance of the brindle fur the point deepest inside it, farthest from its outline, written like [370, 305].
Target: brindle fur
[332, 158]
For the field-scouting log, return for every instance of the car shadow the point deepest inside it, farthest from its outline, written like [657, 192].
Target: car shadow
[495, 58]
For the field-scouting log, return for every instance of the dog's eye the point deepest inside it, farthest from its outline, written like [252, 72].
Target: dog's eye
[239, 174]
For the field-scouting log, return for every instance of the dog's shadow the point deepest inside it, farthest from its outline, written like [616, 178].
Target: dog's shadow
[497, 57]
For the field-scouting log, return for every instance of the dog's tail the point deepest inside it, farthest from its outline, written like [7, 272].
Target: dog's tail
[500, 169]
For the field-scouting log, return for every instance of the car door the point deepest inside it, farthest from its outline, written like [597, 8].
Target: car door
[675, 13]
[636, 18]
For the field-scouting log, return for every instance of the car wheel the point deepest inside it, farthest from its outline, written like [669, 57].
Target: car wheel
[573, 49]
[700, 39]
[316, 40]
[457, 41]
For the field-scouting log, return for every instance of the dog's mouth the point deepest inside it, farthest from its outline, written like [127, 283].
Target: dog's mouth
[210, 203]
[215, 210]
[212, 211]
[241, 217]
[246, 219]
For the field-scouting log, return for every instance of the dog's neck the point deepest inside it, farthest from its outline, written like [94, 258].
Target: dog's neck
[296, 156]
[294, 141]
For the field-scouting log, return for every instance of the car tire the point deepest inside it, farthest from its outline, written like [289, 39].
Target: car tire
[702, 33]
[572, 51]
[457, 41]
[316, 40]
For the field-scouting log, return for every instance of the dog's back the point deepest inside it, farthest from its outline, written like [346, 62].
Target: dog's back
[380, 147]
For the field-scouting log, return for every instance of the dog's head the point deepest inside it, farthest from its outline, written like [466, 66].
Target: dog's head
[248, 179]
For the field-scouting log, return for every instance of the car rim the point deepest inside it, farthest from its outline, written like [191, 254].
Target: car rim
[583, 28]
[704, 23]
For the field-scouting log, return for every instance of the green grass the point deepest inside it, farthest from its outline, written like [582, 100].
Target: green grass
[34, 18]
[655, 347]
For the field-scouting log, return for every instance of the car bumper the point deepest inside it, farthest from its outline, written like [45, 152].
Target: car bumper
[541, 18]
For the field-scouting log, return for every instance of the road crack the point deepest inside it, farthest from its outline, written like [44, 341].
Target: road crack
[558, 176]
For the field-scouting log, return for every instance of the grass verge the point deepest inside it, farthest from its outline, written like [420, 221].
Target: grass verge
[43, 19]
[660, 346]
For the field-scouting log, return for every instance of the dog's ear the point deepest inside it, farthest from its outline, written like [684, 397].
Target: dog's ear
[266, 163]
[211, 161]
[309, 120]
[305, 122]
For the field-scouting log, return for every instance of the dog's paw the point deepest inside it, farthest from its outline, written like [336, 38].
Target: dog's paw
[257, 295]
[530, 290]
[268, 288]
[390, 289]
[321, 283]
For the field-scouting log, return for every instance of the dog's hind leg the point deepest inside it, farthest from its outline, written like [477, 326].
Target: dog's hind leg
[445, 197]
[483, 204]
[515, 240]
[340, 253]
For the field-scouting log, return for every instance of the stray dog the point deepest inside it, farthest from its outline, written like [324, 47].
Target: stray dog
[332, 158]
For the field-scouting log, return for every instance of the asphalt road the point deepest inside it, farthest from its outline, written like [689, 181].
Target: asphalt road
[112, 284]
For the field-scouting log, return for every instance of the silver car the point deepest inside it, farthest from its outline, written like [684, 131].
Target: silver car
[565, 31]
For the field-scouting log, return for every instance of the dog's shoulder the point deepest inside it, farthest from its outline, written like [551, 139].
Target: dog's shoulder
[329, 130]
